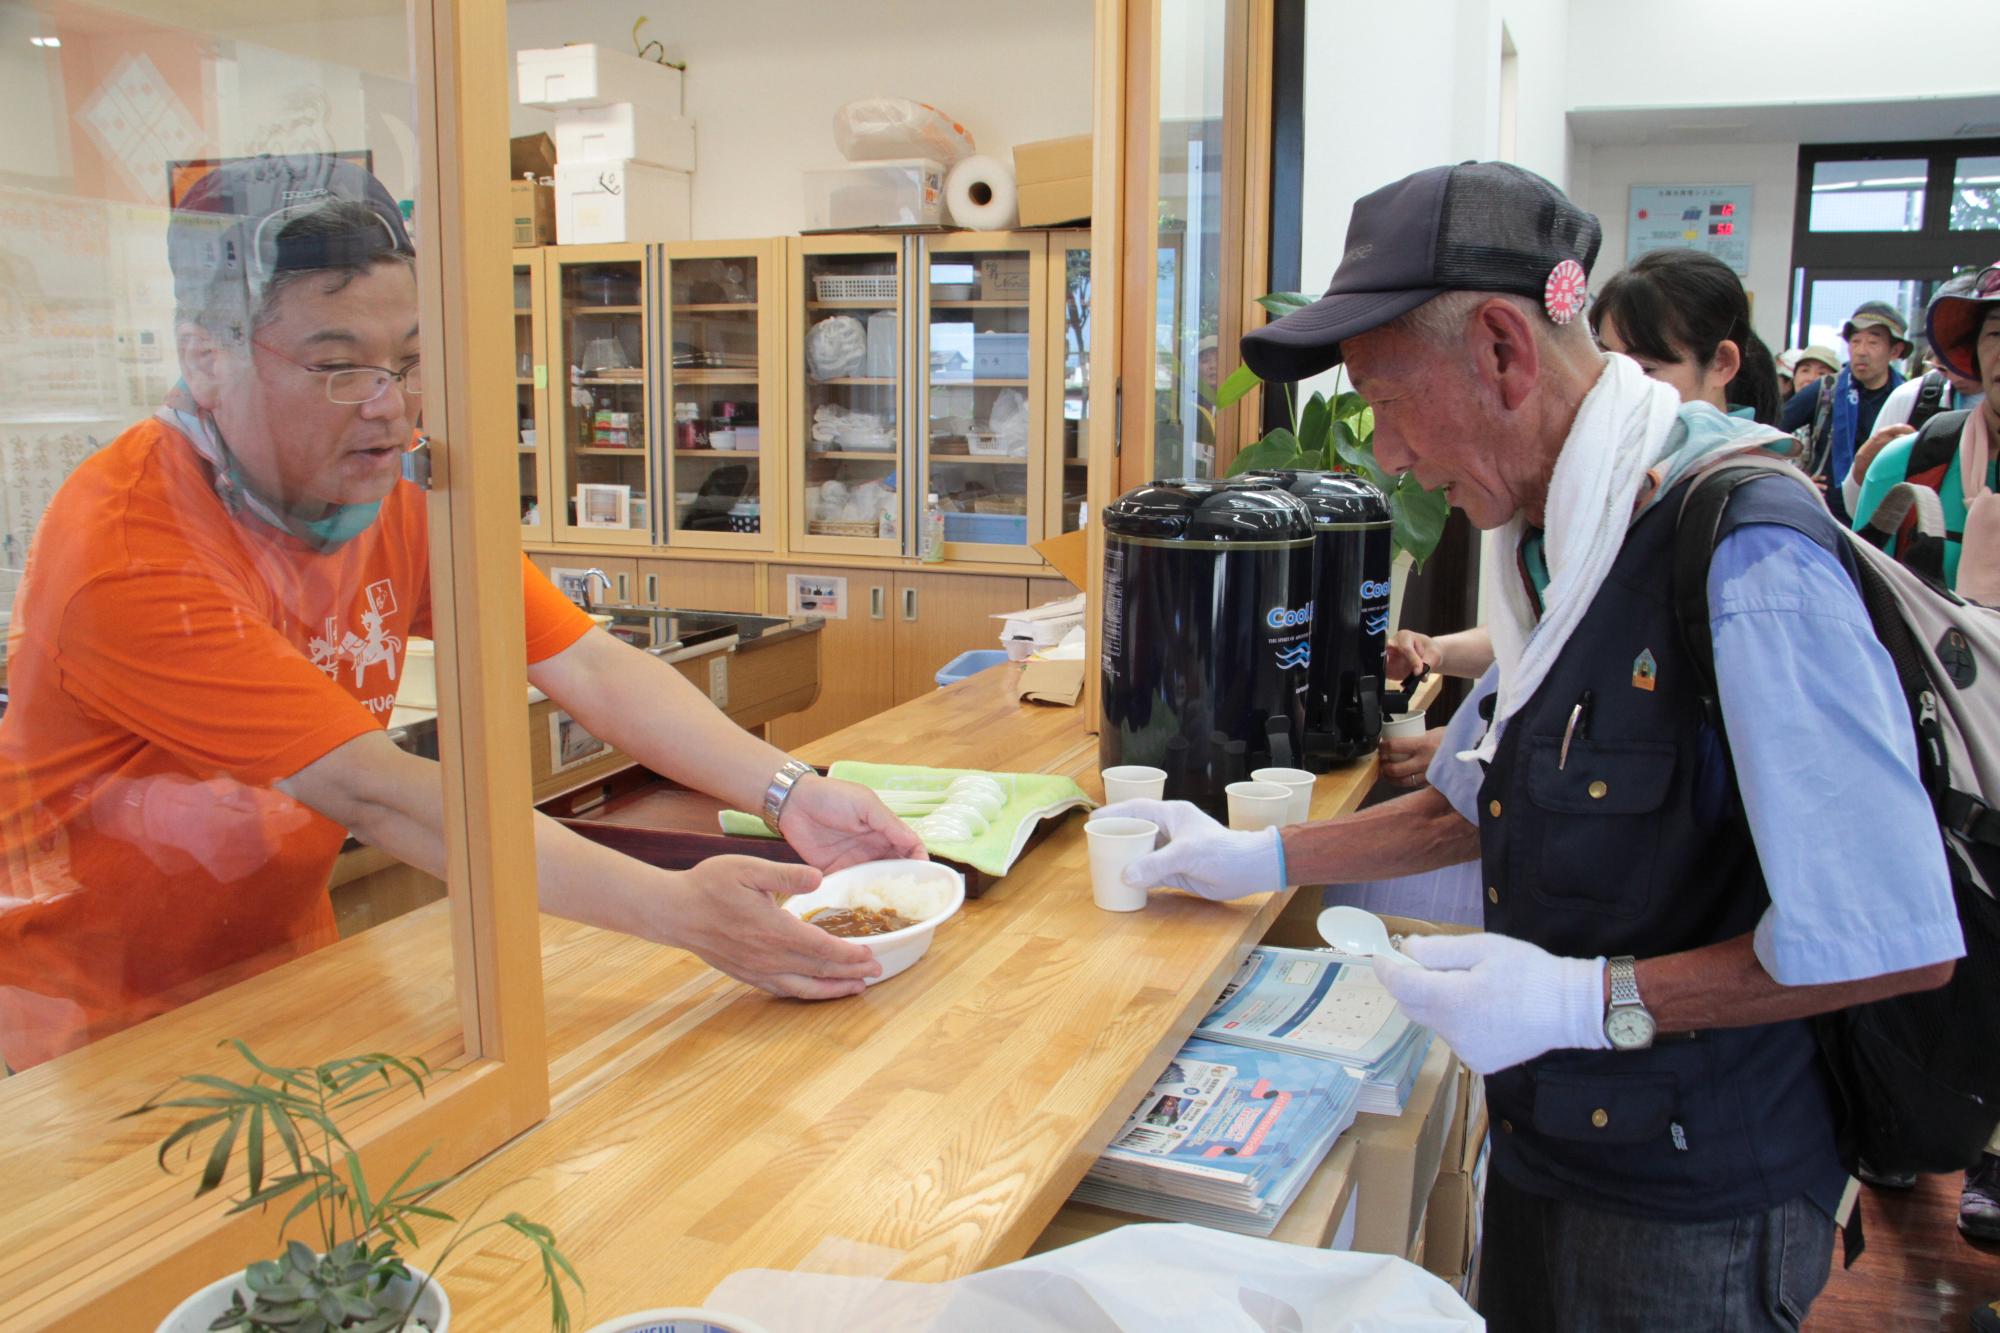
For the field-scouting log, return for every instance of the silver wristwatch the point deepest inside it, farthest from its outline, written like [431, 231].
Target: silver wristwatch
[1627, 1024]
[780, 790]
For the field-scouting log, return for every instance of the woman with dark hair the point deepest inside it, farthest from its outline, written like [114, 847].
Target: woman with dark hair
[1683, 316]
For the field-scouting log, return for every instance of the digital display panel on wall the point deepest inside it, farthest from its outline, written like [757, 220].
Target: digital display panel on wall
[1714, 218]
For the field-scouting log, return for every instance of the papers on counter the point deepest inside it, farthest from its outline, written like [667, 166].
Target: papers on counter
[1226, 1137]
[1311, 1003]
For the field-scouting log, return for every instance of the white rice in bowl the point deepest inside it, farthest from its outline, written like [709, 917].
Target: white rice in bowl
[914, 897]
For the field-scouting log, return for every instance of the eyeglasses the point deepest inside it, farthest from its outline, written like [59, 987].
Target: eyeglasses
[351, 386]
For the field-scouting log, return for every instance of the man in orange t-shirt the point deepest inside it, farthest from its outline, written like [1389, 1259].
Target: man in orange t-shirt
[207, 641]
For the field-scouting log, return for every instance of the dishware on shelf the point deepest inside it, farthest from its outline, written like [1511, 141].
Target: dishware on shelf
[1114, 844]
[602, 354]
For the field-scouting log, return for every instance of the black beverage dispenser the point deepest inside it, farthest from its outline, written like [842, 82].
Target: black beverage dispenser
[1207, 631]
[1344, 706]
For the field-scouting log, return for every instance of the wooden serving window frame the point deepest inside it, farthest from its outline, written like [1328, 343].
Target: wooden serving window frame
[123, 1244]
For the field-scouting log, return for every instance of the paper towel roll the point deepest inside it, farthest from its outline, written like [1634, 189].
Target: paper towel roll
[980, 194]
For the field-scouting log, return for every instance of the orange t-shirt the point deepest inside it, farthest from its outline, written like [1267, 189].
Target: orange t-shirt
[167, 663]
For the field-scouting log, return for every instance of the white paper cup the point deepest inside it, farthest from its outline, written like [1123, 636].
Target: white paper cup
[1298, 782]
[1134, 782]
[1255, 805]
[1403, 724]
[1115, 844]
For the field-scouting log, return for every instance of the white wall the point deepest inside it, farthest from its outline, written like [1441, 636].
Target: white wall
[764, 80]
[1730, 52]
[1391, 89]
[1603, 174]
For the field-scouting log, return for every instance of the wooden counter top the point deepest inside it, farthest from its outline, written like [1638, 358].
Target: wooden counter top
[699, 1127]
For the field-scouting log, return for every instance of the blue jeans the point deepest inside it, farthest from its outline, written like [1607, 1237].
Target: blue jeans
[1556, 1267]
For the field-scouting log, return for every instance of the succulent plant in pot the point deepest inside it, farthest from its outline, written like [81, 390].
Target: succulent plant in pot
[286, 1121]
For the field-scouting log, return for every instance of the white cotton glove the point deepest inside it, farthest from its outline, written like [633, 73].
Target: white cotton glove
[1497, 1000]
[1202, 856]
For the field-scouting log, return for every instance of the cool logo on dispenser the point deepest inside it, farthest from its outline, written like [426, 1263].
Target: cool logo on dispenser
[1284, 618]
[1374, 622]
[1292, 655]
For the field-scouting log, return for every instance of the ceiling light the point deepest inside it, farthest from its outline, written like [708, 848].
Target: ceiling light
[50, 42]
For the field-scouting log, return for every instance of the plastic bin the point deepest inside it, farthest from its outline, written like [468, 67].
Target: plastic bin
[1000, 356]
[993, 529]
[969, 663]
[875, 194]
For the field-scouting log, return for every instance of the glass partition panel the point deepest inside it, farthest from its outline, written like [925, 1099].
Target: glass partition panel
[1189, 282]
[217, 576]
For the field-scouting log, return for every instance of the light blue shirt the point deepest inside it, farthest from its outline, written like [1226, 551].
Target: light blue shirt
[1827, 766]
[1825, 761]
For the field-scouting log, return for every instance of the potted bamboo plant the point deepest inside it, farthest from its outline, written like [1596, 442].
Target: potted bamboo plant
[354, 1279]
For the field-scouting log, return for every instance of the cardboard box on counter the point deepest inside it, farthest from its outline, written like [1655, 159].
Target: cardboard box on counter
[534, 208]
[1397, 1157]
[1052, 159]
[1051, 203]
[1452, 1222]
[531, 155]
[1052, 682]
[1471, 1118]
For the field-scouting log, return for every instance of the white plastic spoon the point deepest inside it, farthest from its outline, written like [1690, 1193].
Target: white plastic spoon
[1360, 933]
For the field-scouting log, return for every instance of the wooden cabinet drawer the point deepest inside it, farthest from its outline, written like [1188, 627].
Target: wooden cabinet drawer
[939, 616]
[857, 652]
[698, 585]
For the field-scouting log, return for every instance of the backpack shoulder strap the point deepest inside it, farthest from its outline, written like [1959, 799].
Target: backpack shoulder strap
[1934, 448]
[1701, 527]
[1930, 398]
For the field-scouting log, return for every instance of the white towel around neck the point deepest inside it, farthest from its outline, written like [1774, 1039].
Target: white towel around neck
[1623, 428]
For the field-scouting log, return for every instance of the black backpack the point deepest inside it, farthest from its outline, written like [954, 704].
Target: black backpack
[1931, 399]
[1917, 1075]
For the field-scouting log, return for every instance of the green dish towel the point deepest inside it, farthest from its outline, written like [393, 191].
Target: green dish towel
[1031, 798]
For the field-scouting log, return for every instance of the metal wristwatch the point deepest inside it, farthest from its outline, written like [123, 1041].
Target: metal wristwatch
[780, 790]
[1627, 1023]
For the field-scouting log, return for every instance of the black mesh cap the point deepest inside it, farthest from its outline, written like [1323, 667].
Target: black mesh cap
[230, 226]
[1478, 226]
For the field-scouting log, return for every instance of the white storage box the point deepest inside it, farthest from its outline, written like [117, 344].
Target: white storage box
[603, 202]
[1000, 356]
[592, 75]
[622, 132]
[903, 193]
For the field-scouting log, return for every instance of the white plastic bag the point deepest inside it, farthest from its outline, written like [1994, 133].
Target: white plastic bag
[836, 347]
[1009, 422]
[873, 128]
[1136, 1279]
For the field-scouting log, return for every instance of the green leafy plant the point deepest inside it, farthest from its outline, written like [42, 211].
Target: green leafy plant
[348, 1284]
[1337, 436]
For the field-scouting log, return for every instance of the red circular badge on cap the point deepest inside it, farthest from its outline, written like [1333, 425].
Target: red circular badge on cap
[1564, 293]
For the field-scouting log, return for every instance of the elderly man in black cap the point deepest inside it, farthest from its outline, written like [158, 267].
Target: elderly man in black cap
[1663, 911]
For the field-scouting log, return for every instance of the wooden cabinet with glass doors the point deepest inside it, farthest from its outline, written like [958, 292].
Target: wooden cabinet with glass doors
[921, 366]
[601, 409]
[848, 394]
[531, 393]
[724, 317]
[1068, 379]
[984, 302]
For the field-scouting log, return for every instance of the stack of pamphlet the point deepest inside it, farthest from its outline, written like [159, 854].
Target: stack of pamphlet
[1226, 1137]
[1302, 1002]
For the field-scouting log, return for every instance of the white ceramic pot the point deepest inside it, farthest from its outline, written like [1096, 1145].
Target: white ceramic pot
[198, 1311]
[677, 1319]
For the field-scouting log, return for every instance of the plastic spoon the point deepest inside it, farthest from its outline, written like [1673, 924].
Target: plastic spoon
[1360, 933]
